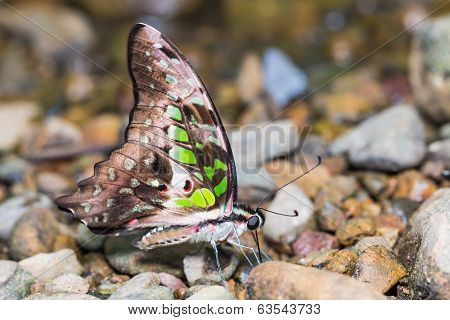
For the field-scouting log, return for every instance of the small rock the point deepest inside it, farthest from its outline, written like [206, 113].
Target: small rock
[367, 242]
[96, 269]
[88, 240]
[413, 185]
[14, 170]
[286, 229]
[389, 221]
[48, 266]
[14, 120]
[424, 248]
[60, 296]
[14, 208]
[376, 183]
[102, 131]
[192, 290]
[171, 282]
[38, 231]
[391, 140]
[404, 208]
[440, 151]
[378, 267]
[140, 287]
[283, 80]
[310, 241]
[15, 283]
[330, 214]
[66, 283]
[429, 68]
[278, 280]
[342, 261]
[4, 250]
[444, 131]
[316, 258]
[202, 266]
[355, 228]
[53, 184]
[249, 80]
[212, 293]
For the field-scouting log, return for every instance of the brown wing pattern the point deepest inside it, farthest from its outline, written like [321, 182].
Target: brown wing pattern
[176, 167]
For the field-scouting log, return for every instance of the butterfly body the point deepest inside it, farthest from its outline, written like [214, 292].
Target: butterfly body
[175, 175]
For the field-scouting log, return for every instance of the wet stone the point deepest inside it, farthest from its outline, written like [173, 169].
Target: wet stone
[15, 282]
[283, 80]
[281, 280]
[378, 267]
[212, 293]
[14, 208]
[391, 140]
[48, 266]
[38, 231]
[66, 283]
[355, 228]
[310, 241]
[286, 229]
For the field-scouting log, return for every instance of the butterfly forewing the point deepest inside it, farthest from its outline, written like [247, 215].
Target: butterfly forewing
[176, 166]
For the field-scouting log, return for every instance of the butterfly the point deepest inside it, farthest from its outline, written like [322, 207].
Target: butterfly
[175, 174]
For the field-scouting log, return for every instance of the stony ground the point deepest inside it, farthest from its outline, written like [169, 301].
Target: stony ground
[373, 218]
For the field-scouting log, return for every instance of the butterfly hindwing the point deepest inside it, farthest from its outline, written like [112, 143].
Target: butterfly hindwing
[176, 166]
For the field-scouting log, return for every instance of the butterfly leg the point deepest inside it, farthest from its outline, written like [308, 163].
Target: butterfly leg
[241, 247]
[216, 252]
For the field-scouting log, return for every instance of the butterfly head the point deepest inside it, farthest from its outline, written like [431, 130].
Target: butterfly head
[255, 220]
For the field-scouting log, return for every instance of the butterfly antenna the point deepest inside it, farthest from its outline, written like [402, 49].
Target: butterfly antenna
[281, 214]
[319, 161]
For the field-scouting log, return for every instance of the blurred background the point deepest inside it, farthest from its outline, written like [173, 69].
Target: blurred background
[328, 66]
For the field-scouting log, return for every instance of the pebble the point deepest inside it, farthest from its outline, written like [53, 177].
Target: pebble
[171, 282]
[342, 261]
[283, 80]
[12, 209]
[286, 229]
[139, 287]
[88, 240]
[278, 280]
[15, 282]
[249, 79]
[429, 68]
[355, 228]
[391, 140]
[212, 293]
[4, 250]
[14, 170]
[48, 266]
[202, 267]
[53, 184]
[60, 296]
[413, 185]
[68, 282]
[376, 183]
[378, 267]
[310, 241]
[367, 242]
[38, 231]
[444, 131]
[15, 117]
[439, 151]
[424, 248]
[329, 213]
[127, 259]
[403, 208]
[96, 269]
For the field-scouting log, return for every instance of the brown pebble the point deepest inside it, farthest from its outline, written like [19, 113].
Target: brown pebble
[310, 241]
[355, 228]
[379, 267]
[342, 261]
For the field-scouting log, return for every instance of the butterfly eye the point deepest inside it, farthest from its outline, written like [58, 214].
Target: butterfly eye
[187, 186]
[253, 223]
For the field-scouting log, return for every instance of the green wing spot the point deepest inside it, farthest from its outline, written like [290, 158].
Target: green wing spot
[209, 197]
[198, 175]
[199, 145]
[221, 187]
[182, 202]
[214, 140]
[198, 101]
[183, 155]
[171, 79]
[178, 134]
[220, 165]
[209, 171]
[174, 112]
[198, 199]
